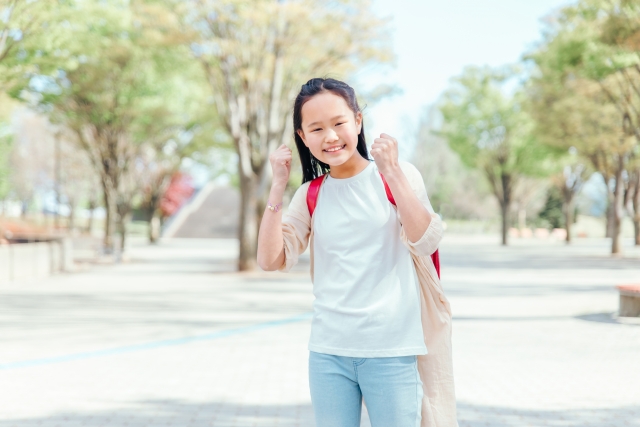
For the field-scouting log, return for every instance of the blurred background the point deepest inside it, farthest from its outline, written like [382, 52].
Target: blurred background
[134, 144]
[523, 119]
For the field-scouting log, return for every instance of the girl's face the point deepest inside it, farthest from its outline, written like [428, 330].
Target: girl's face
[330, 128]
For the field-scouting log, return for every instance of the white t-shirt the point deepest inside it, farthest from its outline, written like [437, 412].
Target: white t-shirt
[365, 285]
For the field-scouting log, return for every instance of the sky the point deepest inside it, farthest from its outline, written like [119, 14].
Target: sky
[433, 42]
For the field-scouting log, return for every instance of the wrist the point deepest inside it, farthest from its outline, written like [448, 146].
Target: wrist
[273, 206]
[277, 193]
[393, 172]
[278, 187]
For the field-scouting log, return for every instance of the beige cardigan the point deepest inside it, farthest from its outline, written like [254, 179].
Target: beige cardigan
[436, 367]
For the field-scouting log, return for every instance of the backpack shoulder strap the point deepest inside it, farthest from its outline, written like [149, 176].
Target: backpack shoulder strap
[388, 191]
[312, 193]
[435, 257]
[312, 200]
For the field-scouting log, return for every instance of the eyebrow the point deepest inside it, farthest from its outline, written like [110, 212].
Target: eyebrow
[332, 119]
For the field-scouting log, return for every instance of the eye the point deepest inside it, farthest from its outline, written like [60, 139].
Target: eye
[338, 124]
[315, 130]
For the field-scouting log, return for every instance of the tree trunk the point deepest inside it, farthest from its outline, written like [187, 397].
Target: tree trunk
[123, 211]
[110, 217]
[617, 209]
[154, 230]
[505, 204]
[248, 230]
[154, 223]
[610, 218]
[610, 210]
[92, 207]
[567, 210]
[122, 231]
[505, 222]
[568, 221]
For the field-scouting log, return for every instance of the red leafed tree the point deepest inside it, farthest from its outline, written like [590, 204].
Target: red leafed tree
[177, 193]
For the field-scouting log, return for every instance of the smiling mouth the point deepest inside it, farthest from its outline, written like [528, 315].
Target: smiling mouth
[334, 149]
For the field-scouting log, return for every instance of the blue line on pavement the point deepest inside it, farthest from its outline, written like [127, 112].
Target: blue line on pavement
[154, 344]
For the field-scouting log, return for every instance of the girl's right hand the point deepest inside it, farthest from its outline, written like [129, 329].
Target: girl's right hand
[281, 164]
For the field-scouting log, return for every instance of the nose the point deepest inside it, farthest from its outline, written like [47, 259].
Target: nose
[331, 136]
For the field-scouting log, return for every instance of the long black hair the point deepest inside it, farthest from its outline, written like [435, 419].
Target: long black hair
[312, 167]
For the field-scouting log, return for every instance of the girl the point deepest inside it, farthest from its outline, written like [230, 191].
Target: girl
[381, 325]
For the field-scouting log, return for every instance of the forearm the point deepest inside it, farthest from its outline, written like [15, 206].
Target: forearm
[270, 239]
[414, 215]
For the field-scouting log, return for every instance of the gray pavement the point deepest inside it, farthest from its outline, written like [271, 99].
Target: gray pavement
[174, 337]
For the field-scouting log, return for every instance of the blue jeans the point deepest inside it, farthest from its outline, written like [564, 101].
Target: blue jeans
[390, 386]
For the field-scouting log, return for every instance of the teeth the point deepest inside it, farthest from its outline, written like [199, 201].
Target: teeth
[333, 149]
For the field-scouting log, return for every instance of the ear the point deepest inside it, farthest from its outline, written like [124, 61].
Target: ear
[359, 122]
[301, 135]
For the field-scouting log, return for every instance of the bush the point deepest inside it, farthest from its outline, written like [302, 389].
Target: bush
[551, 213]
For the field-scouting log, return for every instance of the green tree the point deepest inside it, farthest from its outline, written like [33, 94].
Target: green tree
[455, 191]
[119, 80]
[588, 80]
[20, 20]
[256, 55]
[491, 132]
[569, 183]
[552, 211]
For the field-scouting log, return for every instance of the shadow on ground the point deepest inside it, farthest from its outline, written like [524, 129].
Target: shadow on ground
[535, 255]
[460, 288]
[495, 416]
[177, 413]
[224, 414]
[610, 317]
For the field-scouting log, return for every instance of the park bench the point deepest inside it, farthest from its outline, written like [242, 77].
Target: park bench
[629, 300]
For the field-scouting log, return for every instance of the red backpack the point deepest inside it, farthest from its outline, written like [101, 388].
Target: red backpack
[312, 200]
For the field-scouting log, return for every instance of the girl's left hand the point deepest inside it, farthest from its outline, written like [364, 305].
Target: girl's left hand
[385, 153]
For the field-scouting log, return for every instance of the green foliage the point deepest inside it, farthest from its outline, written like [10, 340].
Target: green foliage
[455, 191]
[489, 129]
[257, 54]
[592, 51]
[585, 91]
[493, 133]
[20, 21]
[119, 75]
[113, 64]
[552, 210]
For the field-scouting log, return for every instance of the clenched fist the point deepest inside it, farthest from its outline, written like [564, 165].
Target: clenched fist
[281, 165]
[385, 153]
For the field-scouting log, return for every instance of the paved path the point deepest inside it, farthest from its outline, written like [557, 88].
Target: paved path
[175, 338]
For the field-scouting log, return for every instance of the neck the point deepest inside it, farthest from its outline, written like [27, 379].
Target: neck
[351, 167]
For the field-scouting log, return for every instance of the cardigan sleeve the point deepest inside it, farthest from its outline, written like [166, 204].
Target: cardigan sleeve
[428, 243]
[296, 228]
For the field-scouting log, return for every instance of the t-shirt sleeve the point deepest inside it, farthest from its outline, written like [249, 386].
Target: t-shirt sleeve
[428, 243]
[296, 228]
